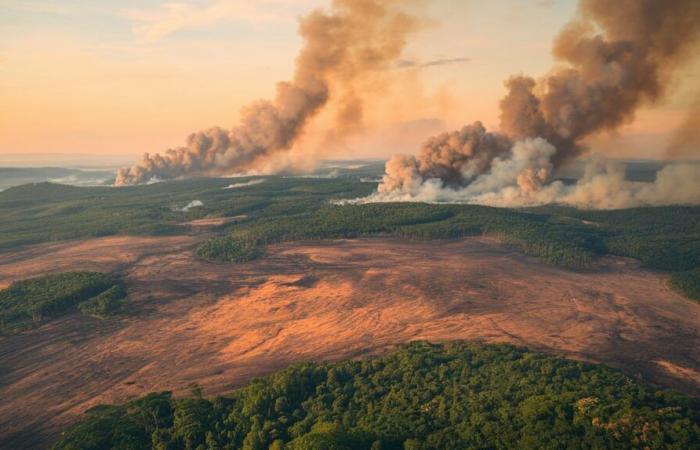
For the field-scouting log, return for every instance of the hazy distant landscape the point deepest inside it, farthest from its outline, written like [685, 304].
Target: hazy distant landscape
[13, 176]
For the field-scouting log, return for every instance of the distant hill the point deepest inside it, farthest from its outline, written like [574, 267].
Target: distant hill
[15, 176]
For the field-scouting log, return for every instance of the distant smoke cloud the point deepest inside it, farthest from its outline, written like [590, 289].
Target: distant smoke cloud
[170, 17]
[407, 63]
[340, 46]
[335, 173]
[685, 142]
[524, 179]
[615, 57]
[191, 205]
[454, 158]
[244, 184]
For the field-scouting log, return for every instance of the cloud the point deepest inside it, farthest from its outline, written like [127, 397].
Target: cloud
[545, 3]
[685, 142]
[155, 24]
[409, 63]
[37, 6]
[244, 184]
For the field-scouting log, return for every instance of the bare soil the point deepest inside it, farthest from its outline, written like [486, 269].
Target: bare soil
[221, 324]
[213, 222]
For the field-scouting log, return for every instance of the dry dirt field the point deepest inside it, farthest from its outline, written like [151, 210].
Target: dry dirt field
[221, 324]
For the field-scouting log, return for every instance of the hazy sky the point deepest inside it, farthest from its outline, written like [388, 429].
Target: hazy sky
[121, 77]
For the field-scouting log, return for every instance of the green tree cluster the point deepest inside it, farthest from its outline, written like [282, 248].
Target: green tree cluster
[454, 395]
[687, 283]
[287, 209]
[28, 303]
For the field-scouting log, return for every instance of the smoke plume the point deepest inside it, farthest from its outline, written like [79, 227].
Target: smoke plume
[356, 37]
[613, 57]
[685, 142]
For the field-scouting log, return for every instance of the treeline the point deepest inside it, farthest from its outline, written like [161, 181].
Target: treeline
[666, 238]
[225, 248]
[279, 209]
[28, 303]
[562, 244]
[663, 238]
[43, 212]
[687, 283]
[423, 396]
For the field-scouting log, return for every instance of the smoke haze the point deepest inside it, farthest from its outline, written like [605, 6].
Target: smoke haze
[613, 58]
[686, 140]
[356, 37]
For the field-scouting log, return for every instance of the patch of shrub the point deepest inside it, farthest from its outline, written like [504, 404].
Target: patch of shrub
[229, 249]
[687, 283]
[107, 303]
[28, 303]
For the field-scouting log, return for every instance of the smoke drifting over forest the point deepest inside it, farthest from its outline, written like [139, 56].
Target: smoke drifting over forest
[340, 46]
[613, 58]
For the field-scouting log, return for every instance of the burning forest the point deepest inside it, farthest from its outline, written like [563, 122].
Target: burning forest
[340, 47]
[614, 57]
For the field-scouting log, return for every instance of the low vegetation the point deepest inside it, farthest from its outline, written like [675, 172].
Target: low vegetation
[423, 396]
[105, 304]
[28, 303]
[42, 212]
[283, 209]
[687, 283]
[561, 244]
[662, 238]
[225, 248]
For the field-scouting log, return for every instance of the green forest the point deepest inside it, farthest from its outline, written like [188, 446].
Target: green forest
[42, 212]
[283, 209]
[447, 396]
[28, 303]
[687, 283]
[422, 396]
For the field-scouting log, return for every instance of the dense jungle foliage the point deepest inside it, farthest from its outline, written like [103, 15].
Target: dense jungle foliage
[28, 303]
[423, 396]
[278, 209]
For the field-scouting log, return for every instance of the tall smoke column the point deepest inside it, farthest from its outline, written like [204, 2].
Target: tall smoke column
[686, 140]
[616, 55]
[356, 37]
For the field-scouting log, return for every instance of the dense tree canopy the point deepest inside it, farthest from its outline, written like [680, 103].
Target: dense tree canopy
[279, 209]
[423, 396]
[687, 283]
[27, 303]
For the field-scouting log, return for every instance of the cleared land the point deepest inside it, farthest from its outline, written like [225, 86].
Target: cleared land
[221, 324]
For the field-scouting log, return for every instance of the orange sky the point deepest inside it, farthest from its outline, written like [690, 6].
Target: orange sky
[125, 77]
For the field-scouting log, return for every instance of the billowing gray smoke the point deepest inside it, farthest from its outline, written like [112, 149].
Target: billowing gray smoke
[454, 158]
[355, 37]
[615, 56]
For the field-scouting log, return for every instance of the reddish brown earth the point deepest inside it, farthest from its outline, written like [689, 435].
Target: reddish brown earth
[212, 222]
[221, 324]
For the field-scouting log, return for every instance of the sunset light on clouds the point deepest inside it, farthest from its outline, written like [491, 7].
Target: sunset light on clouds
[126, 77]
